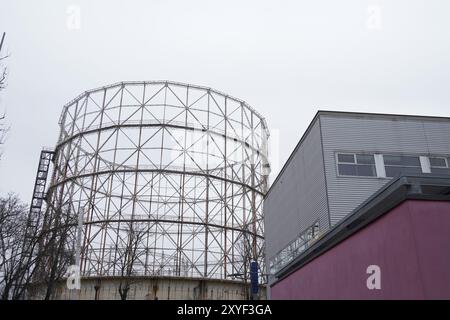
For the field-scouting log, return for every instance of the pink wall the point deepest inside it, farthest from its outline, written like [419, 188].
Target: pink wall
[411, 244]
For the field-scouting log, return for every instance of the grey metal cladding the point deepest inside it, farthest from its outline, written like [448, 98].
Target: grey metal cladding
[438, 137]
[372, 134]
[299, 196]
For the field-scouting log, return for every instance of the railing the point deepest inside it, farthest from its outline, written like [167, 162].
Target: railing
[304, 240]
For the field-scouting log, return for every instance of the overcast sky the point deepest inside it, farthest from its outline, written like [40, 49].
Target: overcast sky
[287, 59]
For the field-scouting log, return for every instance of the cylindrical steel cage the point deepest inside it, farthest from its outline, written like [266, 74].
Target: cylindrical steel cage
[172, 173]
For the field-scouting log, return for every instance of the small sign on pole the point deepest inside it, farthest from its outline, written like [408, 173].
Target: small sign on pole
[254, 279]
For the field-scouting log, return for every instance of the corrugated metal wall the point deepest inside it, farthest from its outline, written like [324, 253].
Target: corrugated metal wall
[375, 134]
[438, 137]
[298, 198]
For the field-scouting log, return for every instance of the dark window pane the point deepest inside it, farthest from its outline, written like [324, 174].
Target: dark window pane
[391, 160]
[349, 158]
[357, 170]
[347, 170]
[392, 171]
[401, 160]
[444, 171]
[438, 162]
[412, 161]
[365, 159]
[366, 170]
[412, 170]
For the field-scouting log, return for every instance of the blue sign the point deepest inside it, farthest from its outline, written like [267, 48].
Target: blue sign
[254, 277]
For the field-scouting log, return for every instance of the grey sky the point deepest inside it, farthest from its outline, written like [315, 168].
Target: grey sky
[285, 58]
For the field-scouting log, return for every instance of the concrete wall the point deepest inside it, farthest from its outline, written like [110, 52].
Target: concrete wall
[156, 288]
[411, 245]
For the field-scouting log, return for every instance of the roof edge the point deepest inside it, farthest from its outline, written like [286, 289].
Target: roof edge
[348, 114]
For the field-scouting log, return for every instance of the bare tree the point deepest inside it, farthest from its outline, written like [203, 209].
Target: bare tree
[56, 250]
[29, 239]
[11, 222]
[128, 257]
[17, 238]
[25, 246]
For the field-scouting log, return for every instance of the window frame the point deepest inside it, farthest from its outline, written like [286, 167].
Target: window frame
[401, 166]
[346, 154]
[378, 172]
[355, 163]
[439, 157]
[447, 161]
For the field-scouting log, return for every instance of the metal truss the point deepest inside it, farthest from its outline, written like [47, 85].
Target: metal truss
[184, 165]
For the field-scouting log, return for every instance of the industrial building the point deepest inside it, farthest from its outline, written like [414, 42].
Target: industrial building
[160, 186]
[343, 160]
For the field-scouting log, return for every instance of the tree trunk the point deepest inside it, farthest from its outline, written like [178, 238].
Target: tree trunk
[123, 292]
[5, 294]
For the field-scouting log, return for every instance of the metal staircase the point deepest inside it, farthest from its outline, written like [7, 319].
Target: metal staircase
[41, 180]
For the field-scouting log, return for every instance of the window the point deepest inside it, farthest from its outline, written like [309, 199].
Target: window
[350, 164]
[397, 165]
[440, 165]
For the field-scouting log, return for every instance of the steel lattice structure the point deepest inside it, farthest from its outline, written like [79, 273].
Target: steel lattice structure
[186, 166]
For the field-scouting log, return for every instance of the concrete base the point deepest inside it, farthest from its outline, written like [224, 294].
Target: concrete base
[158, 288]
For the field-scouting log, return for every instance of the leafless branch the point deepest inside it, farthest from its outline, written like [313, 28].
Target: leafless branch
[56, 252]
[13, 245]
[3, 75]
[3, 128]
[128, 256]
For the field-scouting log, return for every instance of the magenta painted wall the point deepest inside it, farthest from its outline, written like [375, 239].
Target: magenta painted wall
[411, 244]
